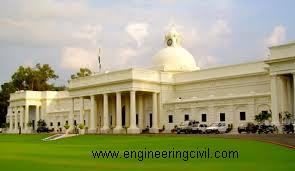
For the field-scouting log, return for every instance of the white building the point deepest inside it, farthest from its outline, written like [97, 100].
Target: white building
[171, 91]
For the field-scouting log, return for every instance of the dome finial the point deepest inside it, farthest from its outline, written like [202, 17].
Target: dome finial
[173, 38]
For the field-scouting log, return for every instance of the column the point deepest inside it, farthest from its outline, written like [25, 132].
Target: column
[289, 95]
[127, 111]
[140, 112]
[160, 124]
[211, 115]
[250, 116]
[43, 110]
[81, 110]
[155, 128]
[21, 118]
[93, 112]
[15, 119]
[112, 112]
[106, 125]
[233, 116]
[26, 117]
[118, 129]
[283, 94]
[133, 128]
[10, 118]
[274, 100]
[37, 116]
[71, 115]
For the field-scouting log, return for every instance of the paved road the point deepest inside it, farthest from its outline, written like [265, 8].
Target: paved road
[287, 140]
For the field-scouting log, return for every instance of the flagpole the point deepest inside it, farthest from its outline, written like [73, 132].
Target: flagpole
[99, 60]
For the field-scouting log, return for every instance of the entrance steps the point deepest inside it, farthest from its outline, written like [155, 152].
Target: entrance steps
[58, 136]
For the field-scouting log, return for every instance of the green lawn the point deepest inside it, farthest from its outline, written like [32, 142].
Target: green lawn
[28, 152]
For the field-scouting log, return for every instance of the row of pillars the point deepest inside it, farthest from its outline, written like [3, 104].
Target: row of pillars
[20, 114]
[282, 97]
[133, 129]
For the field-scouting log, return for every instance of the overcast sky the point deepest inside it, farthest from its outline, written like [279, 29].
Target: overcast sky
[67, 33]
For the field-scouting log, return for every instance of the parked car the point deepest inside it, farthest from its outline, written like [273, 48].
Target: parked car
[44, 129]
[186, 127]
[199, 128]
[219, 127]
[248, 127]
[288, 128]
[267, 129]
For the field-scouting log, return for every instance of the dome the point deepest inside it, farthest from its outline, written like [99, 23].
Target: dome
[173, 57]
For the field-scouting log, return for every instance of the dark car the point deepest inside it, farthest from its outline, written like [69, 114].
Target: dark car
[43, 129]
[186, 127]
[248, 127]
[288, 128]
[267, 129]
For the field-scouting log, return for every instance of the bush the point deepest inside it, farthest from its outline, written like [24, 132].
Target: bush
[262, 117]
[30, 124]
[81, 126]
[5, 125]
[67, 126]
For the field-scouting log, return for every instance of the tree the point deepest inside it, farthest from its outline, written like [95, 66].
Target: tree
[6, 89]
[36, 79]
[262, 117]
[83, 72]
[27, 78]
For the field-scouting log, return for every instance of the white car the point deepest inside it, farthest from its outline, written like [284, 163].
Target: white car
[219, 127]
[199, 128]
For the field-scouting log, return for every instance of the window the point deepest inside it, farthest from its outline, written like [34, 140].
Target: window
[136, 119]
[151, 120]
[204, 118]
[242, 116]
[67, 122]
[51, 123]
[186, 117]
[170, 118]
[75, 122]
[222, 117]
[58, 123]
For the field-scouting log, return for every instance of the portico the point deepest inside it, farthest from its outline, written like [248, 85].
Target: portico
[282, 71]
[130, 101]
[20, 117]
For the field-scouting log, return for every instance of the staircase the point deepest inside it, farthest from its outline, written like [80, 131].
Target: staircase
[58, 136]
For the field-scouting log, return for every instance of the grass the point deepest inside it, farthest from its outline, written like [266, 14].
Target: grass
[28, 152]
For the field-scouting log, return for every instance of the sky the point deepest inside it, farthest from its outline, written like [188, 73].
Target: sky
[67, 33]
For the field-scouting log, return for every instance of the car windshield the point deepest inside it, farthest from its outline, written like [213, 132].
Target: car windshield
[242, 124]
[214, 124]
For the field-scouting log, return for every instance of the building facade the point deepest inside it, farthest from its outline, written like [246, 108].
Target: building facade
[175, 89]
